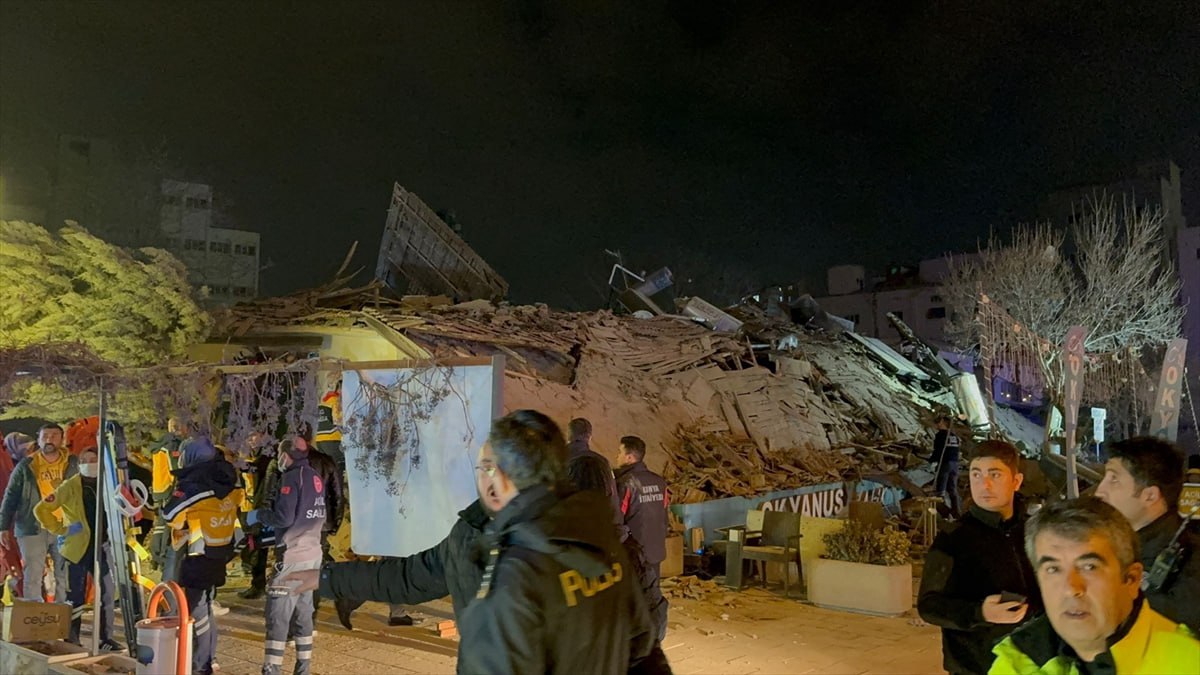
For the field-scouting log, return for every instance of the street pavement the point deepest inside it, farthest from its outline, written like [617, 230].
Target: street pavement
[753, 631]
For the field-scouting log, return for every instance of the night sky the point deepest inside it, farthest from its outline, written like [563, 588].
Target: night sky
[769, 139]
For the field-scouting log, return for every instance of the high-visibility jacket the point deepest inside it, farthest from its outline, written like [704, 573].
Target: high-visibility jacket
[329, 418]
[164, 461]
[203, 515]
[1154, 645]
[62, 508]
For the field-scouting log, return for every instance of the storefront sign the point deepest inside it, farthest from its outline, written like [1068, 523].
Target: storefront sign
[1073, 397]
[1165, 423]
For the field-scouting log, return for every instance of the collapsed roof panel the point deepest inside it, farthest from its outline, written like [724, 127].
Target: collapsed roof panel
[421, 255]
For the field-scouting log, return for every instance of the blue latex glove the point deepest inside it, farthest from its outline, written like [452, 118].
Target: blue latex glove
[62, 541]
[252, 518]
[74, 529]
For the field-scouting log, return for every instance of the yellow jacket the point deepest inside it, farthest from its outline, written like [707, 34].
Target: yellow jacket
[1154, 645]
[59, 510]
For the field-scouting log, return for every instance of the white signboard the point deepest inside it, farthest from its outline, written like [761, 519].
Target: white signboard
[411, 436]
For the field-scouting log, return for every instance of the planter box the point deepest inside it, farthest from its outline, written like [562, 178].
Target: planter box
[856, 587]
[36, 658]
[106, 664]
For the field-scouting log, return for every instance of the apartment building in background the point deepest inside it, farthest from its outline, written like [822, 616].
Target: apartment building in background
[223, 260]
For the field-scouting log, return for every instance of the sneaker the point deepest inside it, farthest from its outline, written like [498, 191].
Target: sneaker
[215, 666]
[252, 593]
[218, 609]
[111, 646]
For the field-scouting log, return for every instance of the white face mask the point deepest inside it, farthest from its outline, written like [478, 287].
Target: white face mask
[90, 470]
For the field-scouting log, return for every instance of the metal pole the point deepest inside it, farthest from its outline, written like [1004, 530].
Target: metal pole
[97, 534]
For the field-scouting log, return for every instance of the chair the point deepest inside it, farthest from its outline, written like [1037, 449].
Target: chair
[777, 541]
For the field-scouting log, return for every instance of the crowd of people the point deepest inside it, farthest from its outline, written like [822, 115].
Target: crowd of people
[556, 532]
[1072, 586]
[555, 567]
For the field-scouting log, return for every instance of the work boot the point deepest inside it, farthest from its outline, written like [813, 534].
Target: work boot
[344, 609]
[252, 593]
[402, 620]
[73, 633]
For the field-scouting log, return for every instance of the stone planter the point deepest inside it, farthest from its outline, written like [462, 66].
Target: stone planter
[105, 664]
[857, 587]
[36, 658]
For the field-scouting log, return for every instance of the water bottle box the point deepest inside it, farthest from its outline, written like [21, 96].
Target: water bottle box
[26, 621]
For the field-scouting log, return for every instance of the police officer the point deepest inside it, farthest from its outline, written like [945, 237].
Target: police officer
[644, 501]
[557, 594]
[297, 515]
[1143, 479]
[203, 515]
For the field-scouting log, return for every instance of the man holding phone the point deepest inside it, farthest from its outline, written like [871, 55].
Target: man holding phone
[978, 585]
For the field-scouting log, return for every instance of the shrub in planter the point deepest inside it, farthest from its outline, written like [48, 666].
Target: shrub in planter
[863, 570]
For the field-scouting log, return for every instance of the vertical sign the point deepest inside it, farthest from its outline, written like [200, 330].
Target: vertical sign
[1165, 423]
[1072, 397]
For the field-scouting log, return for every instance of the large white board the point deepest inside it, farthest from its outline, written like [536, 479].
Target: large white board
[405, 494]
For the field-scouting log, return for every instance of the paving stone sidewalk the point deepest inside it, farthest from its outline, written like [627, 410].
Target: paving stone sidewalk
[758, 633]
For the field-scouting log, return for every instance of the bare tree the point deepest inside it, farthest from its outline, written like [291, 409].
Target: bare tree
[1120, 285]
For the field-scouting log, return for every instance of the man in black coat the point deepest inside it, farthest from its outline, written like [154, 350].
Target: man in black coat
[1143, 480]
[457, 566]
[969, 569]
[583, 459]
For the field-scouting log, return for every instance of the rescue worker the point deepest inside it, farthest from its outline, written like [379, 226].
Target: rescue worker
[70, 513]
[34, 479]
[297, 515]
[1143, 480]
[265, 478]
[164, 461]
[558, 594]
[203, 515]
[644, 503]
[977, 584]
[1097, 620]
[329, 426]
[335, 500]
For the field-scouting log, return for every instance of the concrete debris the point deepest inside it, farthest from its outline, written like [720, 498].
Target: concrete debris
[693, 588]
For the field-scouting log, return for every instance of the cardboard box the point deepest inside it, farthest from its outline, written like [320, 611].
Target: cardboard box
[26, 621]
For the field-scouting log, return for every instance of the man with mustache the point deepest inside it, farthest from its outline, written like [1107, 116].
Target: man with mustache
[1097, 620]
[34, 479]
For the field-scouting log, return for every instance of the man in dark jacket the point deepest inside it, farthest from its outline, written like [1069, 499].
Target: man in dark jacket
[455, 567]
[297, 515]
[970, 568]
[644, 501]
[557, 593]
[1143, 480]
[592, 478]
[202, 513]
[945, 457]
[335, 500]
[582, 459]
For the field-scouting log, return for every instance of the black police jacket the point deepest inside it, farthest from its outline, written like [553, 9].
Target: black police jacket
[454, 567]
[1179, 597]
[982, 556]
[644, 501]
[558, 595]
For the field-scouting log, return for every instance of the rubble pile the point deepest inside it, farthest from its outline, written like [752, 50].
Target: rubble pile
[775, 406]
[690, 587]
[706, 465]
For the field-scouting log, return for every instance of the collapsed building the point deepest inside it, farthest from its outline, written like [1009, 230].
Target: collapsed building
[767, 402]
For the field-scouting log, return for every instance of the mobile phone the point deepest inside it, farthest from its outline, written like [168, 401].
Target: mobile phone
[1006, 596]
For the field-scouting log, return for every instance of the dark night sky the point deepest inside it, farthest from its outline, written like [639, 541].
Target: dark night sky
[779, 137]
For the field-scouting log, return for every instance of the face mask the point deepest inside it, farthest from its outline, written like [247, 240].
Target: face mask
[89, 470]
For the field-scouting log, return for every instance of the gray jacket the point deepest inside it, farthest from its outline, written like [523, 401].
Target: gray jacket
[21, 495]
